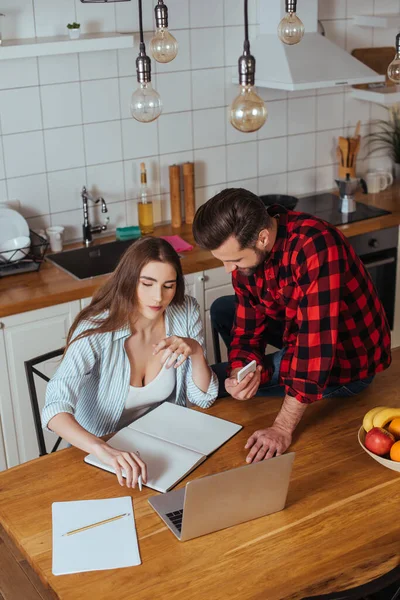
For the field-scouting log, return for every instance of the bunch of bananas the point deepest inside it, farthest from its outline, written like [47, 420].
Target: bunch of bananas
[379, 416]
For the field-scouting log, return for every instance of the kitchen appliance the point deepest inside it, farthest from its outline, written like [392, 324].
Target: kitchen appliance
[378, 252]
[315, 62]
[288, 202]
[347, 190]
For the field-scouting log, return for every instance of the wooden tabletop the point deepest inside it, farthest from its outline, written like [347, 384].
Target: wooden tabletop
[340, 528]
[49, 286]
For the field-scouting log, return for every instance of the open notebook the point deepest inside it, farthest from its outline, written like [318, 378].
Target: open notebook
[172, 441]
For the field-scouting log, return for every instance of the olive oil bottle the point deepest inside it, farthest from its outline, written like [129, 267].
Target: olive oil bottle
[145, 207]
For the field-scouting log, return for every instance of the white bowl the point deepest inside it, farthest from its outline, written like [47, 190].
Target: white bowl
[15, 249]
[386, 462]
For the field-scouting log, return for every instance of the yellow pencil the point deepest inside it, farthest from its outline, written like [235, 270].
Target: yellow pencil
[95, 524]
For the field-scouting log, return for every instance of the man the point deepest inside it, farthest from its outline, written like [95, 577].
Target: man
[297, 276]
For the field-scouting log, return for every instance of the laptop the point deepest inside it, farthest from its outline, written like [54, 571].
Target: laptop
[218, 501]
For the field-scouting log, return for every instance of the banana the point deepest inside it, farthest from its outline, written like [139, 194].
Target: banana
[384, 416]
[368, 419]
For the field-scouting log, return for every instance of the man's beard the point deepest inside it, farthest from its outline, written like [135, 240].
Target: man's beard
[262, 256]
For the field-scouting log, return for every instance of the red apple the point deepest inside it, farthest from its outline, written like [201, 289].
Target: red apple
[379, 441]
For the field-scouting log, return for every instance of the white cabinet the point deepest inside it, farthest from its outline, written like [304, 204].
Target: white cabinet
[217, 283]
[194, 286]
[23, 337]
[5, 404]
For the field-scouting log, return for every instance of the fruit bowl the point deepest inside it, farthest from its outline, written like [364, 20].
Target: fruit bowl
[386, 462]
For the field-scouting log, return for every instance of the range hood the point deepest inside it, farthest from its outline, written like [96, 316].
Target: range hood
[315, 62]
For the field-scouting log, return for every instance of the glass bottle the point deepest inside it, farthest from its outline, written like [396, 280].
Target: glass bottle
[145, 207]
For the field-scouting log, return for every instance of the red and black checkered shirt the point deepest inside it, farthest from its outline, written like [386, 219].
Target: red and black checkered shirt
[336, 329]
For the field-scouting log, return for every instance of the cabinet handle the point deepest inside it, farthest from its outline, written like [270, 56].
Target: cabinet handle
[201, 278]
[1, 325]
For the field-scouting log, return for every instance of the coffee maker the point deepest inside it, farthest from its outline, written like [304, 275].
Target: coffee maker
[347, 190]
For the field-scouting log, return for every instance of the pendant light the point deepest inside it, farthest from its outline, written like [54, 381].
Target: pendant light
[146, 105]
[163, 45]
[247, 112]
[394, 67]
[291, 29]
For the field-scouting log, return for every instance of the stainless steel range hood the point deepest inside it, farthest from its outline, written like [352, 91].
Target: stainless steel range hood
[315, 62]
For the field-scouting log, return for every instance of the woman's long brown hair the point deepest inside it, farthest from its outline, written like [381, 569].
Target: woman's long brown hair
[118, 296]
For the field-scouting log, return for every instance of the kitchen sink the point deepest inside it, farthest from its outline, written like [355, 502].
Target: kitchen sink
[85, 263]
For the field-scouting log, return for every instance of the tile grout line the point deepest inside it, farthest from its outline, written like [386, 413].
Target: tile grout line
[43, 136]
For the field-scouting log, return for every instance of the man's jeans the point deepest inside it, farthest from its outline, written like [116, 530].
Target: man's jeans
[222, 314]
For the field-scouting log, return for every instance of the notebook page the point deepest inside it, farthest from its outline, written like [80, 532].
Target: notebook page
[185, 427]
[166, 463]
[108, 546]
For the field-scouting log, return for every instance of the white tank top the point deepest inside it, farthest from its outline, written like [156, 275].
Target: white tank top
[141, 399]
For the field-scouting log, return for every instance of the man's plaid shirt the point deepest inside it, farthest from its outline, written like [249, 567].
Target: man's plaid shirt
[336, 329]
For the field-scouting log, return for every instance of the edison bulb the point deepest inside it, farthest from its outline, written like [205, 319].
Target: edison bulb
[248, 111]
[146, 105]
[163, 46]
[394, 69]
[291, 29]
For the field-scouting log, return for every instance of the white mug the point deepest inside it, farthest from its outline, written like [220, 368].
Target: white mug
[55, 237]
[387, 174]
[377, 181]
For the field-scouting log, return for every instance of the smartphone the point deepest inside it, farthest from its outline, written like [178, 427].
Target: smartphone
[250, 368]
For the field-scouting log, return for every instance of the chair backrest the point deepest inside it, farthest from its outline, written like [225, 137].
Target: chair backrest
[31, 371]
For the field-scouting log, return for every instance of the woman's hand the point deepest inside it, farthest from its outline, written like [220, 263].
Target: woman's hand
[176, 347]
[118, 460]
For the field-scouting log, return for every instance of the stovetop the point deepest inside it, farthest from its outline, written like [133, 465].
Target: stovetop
[327, 207]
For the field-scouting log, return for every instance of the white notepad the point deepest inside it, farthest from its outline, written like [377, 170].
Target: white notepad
[108, 546]
[172, 441]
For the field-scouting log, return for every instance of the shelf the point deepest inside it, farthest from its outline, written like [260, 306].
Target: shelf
[62, 44]
[382, 21]
[385, 96]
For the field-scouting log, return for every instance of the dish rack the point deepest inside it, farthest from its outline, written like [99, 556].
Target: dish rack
[32, 260]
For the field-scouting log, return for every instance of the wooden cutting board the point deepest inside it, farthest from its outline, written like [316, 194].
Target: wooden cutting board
[377, 59]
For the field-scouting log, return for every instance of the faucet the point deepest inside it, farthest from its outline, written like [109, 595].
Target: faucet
[87, 228]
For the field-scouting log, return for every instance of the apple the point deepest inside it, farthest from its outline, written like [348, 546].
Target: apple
[379, 441]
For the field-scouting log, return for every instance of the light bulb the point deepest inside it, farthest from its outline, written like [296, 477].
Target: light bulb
[163, 46]
[291, 29]
[248, 111]
[146, 105]
[393, 71]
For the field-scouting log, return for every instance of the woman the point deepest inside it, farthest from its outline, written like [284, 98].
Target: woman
[120, 352]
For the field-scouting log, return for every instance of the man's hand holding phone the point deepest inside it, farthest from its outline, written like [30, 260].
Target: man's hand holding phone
[247, 387]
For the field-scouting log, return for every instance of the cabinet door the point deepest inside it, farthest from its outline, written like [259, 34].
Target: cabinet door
[6, 414]
[85, 302]
[194, 286]
[28, 335]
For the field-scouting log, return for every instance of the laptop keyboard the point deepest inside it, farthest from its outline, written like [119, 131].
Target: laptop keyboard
[176, 518]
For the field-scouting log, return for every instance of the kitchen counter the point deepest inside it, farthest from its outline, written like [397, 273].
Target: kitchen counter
[50, 285]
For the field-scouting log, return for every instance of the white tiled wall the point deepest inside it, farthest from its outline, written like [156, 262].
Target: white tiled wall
[65, 120]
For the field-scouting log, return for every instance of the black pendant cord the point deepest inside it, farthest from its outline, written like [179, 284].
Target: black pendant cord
[246, 45]
[142, 45]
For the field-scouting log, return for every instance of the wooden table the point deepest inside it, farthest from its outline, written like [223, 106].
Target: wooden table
[340, 529]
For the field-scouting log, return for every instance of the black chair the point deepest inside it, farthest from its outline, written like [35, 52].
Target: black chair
[30, 371]
[216, 346]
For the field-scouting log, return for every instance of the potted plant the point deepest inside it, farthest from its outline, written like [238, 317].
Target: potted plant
[74, 30]
[387, 137]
